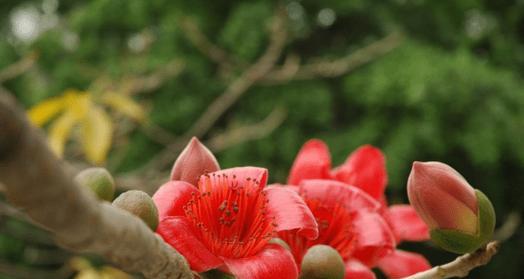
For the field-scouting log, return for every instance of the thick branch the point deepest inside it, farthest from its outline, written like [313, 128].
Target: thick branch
[461, 266]
[336, 67]
[36, 182]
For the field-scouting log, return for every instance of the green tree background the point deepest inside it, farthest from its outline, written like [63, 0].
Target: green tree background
[452, 91]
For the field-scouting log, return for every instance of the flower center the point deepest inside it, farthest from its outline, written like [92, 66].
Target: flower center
[335, 229]
[230, 216]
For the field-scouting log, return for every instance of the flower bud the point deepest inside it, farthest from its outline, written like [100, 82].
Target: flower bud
[194, 161]
[99, 180]
[322, 262]
[139, 204]
[461, 218]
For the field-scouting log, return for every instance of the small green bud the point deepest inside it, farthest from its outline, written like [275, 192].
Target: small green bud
[99, 180]
[461, 242]
[139, 204]
[322, 262]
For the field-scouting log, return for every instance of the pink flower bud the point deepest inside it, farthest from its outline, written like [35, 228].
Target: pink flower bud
[194, 161]
[461, 218]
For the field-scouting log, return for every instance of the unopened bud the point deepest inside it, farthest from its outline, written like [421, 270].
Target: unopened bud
[322, 262]
[99, 180]
[461, 218]
[194, 161]
[139, 204]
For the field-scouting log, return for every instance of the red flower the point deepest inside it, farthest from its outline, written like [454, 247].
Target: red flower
[365, 169]
[349, 220]
[227, 220]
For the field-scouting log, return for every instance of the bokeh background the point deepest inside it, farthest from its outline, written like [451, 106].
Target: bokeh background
[422, 80]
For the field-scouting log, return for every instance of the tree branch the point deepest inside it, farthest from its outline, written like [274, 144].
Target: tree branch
[204, 45]
[462, 265]
[333, 68]
[18, 67]
[150, 181]
[36, 182]
[232, 93]
[248, 132]
[21, 272]
[508, 228]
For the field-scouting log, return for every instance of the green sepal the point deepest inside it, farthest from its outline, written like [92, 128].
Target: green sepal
[459, 242]
[487, 217]
[455, 241]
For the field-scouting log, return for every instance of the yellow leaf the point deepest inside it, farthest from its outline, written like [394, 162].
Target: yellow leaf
[124, 104]
[96, 133]
[78, 102]
[108, 272]
[76, 106]
[88, 274]
[79, 263]
[44, 111]
[60, 131]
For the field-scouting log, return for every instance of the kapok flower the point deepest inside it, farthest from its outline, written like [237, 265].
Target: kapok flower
[460, 217]
[227, 220]
[365, 168]
[349, 221]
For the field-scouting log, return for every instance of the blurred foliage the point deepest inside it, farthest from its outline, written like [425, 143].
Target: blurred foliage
[74, 108]
[452, 92]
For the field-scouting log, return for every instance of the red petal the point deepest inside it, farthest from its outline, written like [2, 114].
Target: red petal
[334, 192]
[272, 262]
[406, 223]
[365, 168]
[313, 161]
[290, 212]
[247, 174]
[357, 270]
[179, 233]
[171, 197]
[374, 237]
[400, 264]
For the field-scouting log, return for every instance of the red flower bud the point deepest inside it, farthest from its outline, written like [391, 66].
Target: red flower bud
[461, 218]
[194, 161]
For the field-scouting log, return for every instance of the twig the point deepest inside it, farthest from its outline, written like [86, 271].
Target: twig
[20, 272]
[157, 78]
[462, 265]
[131, 85]
[240, 85]
[79, 222]
[509, 227]
[18, 67]
[39, 237]
[336, 67]
[249, 132]
[204, 45]
[157, 133]
[148, 182]
[232, 93]
[7, 210]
